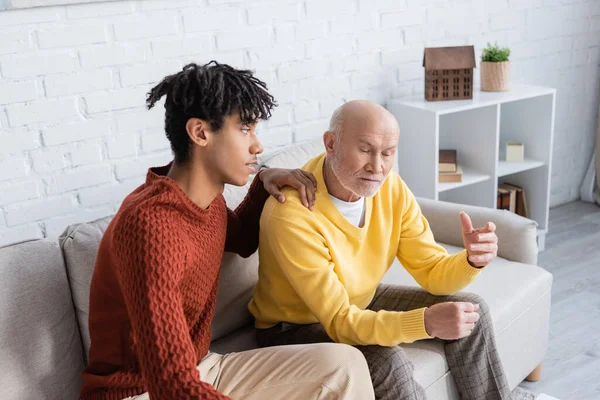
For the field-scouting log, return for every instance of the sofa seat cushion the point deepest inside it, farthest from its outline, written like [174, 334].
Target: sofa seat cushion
[40, 347]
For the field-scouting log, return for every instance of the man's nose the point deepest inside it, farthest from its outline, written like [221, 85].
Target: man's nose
[375, 165]
[256, 147]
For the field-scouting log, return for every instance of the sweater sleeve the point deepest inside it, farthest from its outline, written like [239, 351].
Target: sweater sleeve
[429, 263]
[311, 272]
[151, 263]
[243, 223]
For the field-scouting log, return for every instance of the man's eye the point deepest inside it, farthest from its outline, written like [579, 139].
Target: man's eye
[245, 131]
[364, 151]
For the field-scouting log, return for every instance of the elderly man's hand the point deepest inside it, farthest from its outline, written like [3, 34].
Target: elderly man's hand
[274, 179]
[481, 244]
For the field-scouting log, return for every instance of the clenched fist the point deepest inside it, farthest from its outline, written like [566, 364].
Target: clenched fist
[451, 321]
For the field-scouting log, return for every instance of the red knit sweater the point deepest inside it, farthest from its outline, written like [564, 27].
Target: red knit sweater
[154, 287]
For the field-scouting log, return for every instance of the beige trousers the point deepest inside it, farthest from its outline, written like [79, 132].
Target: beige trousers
[323, 371]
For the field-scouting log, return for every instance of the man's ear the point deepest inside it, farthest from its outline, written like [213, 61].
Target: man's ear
[329, 141]
[197, 130]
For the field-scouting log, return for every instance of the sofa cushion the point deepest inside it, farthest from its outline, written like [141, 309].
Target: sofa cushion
[40, 346]
[294, 156]
[79, 244]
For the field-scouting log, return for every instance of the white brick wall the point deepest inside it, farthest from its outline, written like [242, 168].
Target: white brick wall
[75, 136]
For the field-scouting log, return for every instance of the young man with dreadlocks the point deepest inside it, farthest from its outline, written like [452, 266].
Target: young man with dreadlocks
[155, 281]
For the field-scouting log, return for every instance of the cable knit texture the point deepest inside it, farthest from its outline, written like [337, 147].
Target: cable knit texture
[154, 289]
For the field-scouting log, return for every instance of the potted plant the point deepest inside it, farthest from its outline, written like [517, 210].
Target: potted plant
[495, 69]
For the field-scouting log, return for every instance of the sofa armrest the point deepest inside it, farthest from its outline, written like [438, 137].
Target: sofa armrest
[517, 239]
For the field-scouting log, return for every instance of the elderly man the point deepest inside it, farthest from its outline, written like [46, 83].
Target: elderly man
[320, 271]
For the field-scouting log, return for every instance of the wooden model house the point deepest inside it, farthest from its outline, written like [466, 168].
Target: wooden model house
[449, 72]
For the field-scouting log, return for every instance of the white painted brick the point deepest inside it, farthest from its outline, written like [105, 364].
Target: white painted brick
[494, 6]
[409, 71]
[36, 210]
[149, 27]
[115, 100]
[554, 45]
[226, 1]
[417, 34]
[77, 11]
[23, 66]
[263, 14]
[372, 41]
[148, 73]
[29, 16]
[18, 192]
[163, 4]
[117, 54]
[275, 138]
[139, 167]
[83, 177]
[86, 153]
[197, 44]
[212, 20]
[381, 5]
[14, 41]
[48, 160]
[18, 141]
[316, 9]
[67, 133]
[20, 234]
[72, 36]
[330, 47]
[283, 92]
[285, 33]
[407, 17]
[121, 146]
[155, 140]
[595, 24]
[310, 130]
[327, 107]
[272, 56]
[321, 87]
[371, 80]
[80, 82]
[54, 227]
[281, 116]
[134, 121]
[105, 194]
[47, 111]
[257, 37]
[16, 92]
[352, 24]
[357, 62]
[526, 4]
[405, 55]
[232, 58]
[12, 168]
[306, 30]
[302, 69]
[306, 111]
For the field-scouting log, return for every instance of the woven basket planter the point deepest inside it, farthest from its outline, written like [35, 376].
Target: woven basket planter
[495, 76]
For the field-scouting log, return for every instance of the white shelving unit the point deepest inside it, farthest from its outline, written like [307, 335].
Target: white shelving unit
[478, 129]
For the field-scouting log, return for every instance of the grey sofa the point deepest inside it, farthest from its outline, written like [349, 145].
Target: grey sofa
[44, 290]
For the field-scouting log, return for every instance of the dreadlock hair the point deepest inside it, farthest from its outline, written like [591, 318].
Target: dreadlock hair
[209, 92]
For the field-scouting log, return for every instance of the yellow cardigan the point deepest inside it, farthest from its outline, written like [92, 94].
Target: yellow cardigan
[318, 267]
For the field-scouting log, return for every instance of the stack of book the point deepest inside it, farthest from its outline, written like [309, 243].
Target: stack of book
[512, 198]
[449, 170]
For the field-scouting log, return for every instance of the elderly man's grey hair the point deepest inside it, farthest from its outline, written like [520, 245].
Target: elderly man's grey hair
[337, 120]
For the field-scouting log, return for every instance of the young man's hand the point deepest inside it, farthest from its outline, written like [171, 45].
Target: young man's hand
[451, 321]
[274, 179]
